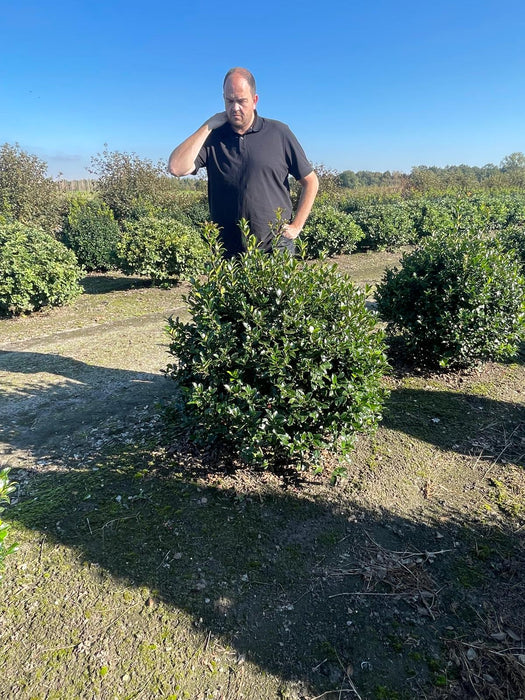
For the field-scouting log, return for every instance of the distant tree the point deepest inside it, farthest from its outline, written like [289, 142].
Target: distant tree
[369, 178]
[348, 179]
[424, 178]
[365, 178]
[433, 180]
[329, 183]
[491, 177]
[84, 185]
[128, 184]
[513, 166]
[462, 178]
[514, 161]
[27, 195]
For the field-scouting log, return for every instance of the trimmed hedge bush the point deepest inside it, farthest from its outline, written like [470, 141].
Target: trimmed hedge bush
[516, 210]
[385, 224]
[449, 214]
[36, 270]
[163, 249]
[457, 299]
[92, 233]
[193, 209]
[330, 231]
[281, 359]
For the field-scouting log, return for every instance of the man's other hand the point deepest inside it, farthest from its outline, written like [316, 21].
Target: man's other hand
[217, 120]
[290, 231]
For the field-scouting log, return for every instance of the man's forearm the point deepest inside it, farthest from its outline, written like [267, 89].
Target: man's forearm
[182, 160]
[310, 185]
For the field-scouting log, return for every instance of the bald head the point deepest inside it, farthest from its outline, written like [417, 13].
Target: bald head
[244, 73]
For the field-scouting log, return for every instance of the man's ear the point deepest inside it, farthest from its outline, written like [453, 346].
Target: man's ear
[255, 100]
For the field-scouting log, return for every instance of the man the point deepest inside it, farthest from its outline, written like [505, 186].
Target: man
[248, 159]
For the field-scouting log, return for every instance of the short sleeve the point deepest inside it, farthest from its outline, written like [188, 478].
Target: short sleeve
[201, 159]
[298, 164]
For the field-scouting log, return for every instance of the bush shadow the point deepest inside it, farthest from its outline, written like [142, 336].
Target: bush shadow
[459, 422]
[107, 283]
[288, 580]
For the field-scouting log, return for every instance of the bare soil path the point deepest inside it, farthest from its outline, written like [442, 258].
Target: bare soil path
[65, 391]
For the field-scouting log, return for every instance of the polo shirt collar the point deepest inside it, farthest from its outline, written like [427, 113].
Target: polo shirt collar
[256, 125]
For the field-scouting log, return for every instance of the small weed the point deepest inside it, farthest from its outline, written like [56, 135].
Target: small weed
[440, 680]
[468, 573]
[328, 538]
[384, 693]
[505, 499]
[433, 664]
[482, 552]
[396, 643]
[327, 651]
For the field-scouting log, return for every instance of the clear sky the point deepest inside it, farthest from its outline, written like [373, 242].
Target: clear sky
[377, 85]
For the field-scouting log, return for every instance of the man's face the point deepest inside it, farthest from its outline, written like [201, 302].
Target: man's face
[239, 103]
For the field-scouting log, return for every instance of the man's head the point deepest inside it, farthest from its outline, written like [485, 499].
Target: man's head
[240, 98]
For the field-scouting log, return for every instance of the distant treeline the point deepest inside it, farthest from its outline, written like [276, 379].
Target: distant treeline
[509, 174]
[85, 185]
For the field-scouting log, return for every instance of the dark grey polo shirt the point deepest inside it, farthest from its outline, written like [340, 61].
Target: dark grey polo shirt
[248, 178]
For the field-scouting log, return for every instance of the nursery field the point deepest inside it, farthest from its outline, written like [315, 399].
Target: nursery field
[148, 568]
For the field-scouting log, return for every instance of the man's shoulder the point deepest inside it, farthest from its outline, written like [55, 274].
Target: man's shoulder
[274, 124]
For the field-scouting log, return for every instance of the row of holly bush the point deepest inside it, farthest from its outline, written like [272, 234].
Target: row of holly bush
[342, 224]
[165, 242]
[282, 360]
[139, 221]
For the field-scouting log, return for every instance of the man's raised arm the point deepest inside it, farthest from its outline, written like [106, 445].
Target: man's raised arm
[182, 160]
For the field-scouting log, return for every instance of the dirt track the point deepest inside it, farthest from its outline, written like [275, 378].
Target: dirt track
[66, 393]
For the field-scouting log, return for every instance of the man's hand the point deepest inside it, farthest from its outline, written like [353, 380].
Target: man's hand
[290, 231]
[217, 120]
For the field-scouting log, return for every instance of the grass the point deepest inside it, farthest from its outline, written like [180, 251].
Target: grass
[150, 569]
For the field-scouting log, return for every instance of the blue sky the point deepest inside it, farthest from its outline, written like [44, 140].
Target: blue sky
[373, 85]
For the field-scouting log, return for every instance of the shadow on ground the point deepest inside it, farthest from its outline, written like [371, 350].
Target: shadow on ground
[460, 422]
[60, 404]
[304, 588]
[106, 283]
